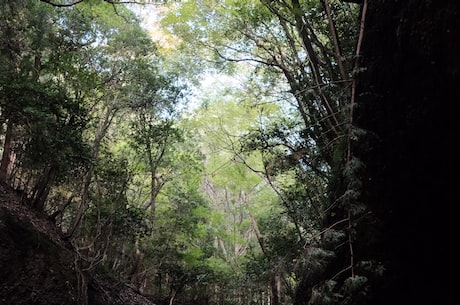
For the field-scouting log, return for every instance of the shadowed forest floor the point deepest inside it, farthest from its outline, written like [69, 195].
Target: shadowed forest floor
[39, 267]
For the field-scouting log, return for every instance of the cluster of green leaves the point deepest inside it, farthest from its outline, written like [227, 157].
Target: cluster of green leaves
[95, 140]
[249, 188]
[298, 56]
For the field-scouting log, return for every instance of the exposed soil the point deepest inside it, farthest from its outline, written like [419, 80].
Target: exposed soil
[39, 267]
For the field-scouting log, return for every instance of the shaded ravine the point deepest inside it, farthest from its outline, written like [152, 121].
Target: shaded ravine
[407, 96]
[39, 267]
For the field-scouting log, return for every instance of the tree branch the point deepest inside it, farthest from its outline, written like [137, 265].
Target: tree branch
[58, 3]
[68, 3]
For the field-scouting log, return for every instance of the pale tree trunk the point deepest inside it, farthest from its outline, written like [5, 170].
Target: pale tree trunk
[137, 274]
[7, 150]
[104, 123]
[274, 278]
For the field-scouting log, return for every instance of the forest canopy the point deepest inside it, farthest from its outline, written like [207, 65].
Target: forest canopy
[203, 152]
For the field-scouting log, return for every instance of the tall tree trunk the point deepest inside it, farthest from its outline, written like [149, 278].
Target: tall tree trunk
[83, 203]
[42, 188]
[104, 124]
[274, 289]
[135, 274]
[7, 150]
[302, 29]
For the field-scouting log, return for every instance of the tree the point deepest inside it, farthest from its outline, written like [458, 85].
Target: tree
[285, 185]
[44, 121]
[299, 51]
[113, 63]
[240, 194]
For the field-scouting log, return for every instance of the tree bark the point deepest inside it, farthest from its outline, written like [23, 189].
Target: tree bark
[6, 156]
[105, 121]
[274, 289]
[43, 188]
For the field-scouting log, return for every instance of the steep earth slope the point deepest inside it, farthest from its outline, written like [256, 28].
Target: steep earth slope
[38, 267]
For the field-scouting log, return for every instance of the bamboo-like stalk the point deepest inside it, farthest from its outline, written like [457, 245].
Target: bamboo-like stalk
[352, 102]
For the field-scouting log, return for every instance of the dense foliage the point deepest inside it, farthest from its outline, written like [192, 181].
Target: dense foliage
[251, 198]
